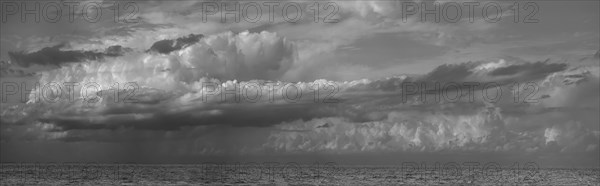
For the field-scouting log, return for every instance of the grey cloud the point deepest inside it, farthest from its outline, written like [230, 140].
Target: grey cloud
[55, 56]
[531, 70]
[167, 46]
[7, 69]
[369, 117]
[326, 125]
[224, 115]
[155, 103]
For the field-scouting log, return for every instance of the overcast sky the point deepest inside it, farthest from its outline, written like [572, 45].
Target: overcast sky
[367, 49]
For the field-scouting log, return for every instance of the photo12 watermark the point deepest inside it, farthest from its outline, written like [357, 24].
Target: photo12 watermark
[68, 11]
[255, 92]
[266, 11]
[453, 12]
[54, 92]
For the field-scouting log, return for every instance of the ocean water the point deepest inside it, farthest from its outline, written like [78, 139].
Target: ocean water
[282, 174]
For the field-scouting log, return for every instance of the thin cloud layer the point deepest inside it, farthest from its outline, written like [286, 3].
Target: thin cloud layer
[54, 56]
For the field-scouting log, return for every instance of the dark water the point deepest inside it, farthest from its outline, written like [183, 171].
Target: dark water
[282, 174]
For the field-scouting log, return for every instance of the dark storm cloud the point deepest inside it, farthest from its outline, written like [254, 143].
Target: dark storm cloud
[4, 65]
[14, 73]
[451, 72]
[226, 115]
[167, 46]
[469, 71]
[476, 72]
[533, 70]
[380, 102]
[326, 125]
[54, 56]
[156, 110]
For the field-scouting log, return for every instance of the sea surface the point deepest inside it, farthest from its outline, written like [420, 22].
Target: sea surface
[284, 174]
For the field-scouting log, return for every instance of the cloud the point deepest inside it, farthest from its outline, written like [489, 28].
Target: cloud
[399, 131]
[53, 56]
[244, 56]
[7, 69]
[367, 55]
[173, 105]
[165, 120]
[533, 69]
[168, 46]
[451, 72]
[494, 71]
[326, 125]
[369, 116]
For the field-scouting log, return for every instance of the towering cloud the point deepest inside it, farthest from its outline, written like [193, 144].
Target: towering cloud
[225, 56]
[368, 116]
[179, 93]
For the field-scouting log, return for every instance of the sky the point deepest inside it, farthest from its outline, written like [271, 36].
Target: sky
[163, 73]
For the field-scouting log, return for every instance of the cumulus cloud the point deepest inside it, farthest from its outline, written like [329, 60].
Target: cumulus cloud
[224, 56]
[481, 126]
[171, 84]
[366, 116]
[170, 80]
[399, 131]
[172, 101]
[244, 56]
